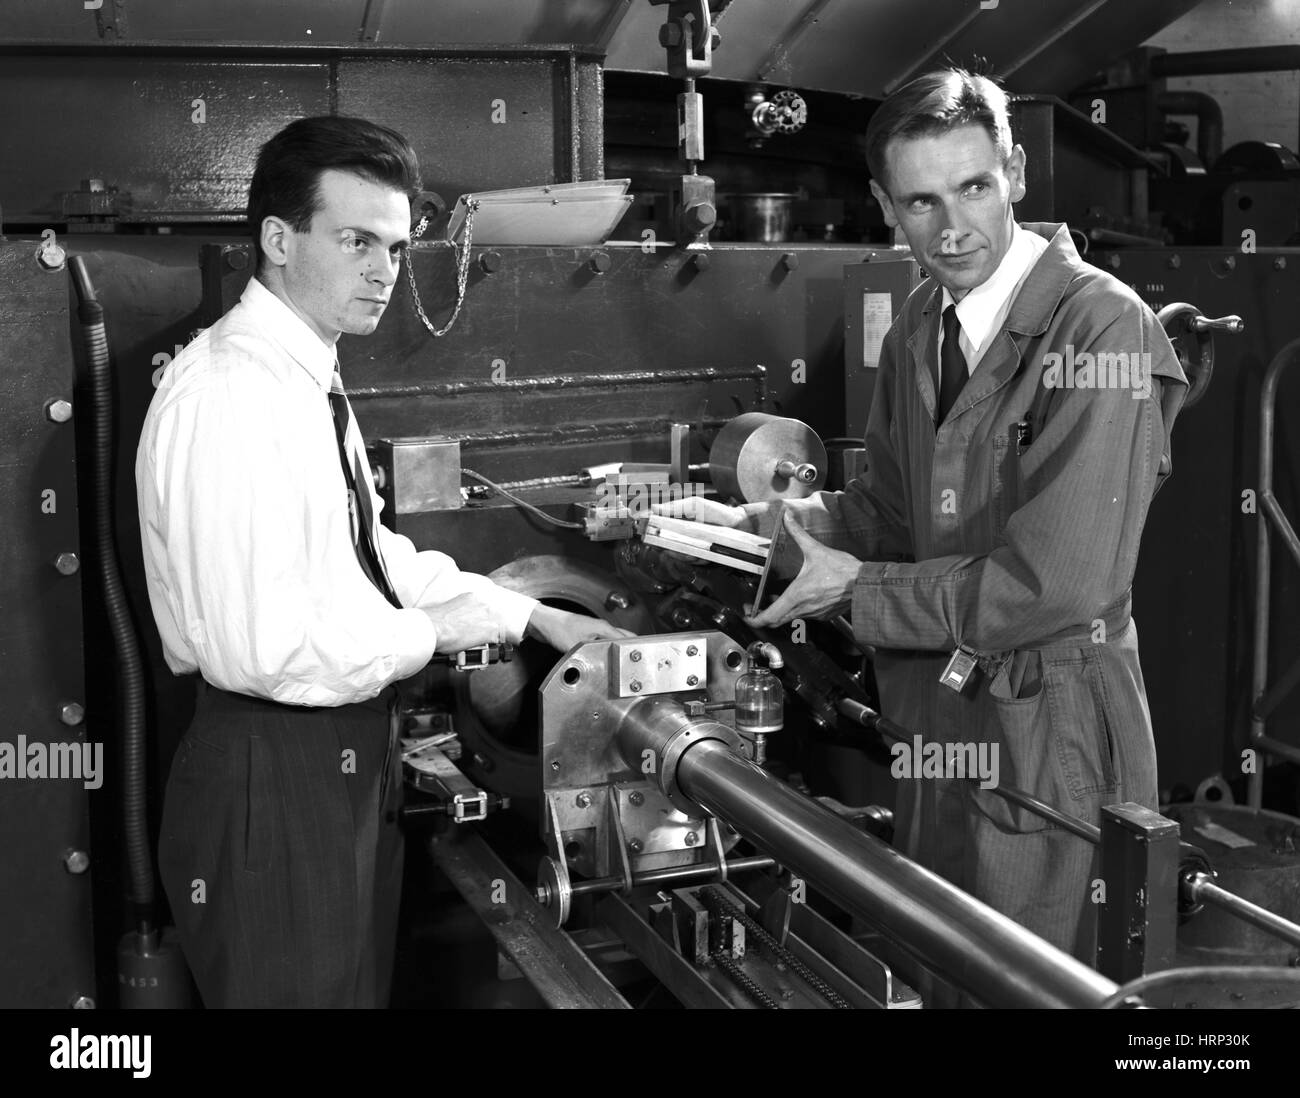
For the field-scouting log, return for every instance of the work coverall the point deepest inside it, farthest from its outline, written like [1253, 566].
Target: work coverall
[1025, 554]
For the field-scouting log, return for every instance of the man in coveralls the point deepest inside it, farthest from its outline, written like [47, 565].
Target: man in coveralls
[270, 574]
[1000, 512]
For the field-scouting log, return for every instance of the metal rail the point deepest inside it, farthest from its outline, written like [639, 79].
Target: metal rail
[1270, 514]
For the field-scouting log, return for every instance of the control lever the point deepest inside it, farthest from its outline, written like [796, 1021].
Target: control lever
[1192, 336]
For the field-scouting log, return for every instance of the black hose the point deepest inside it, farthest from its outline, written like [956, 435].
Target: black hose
[125, 645]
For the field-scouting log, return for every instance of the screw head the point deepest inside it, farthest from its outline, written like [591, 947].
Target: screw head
[636, 798]
[555, 764]
[790, 261]
[72, 713]
[700, 261]
[76, 861]
[58, 410]
[1175, 261]
[82, 1002]
[616, 600]
[634, 845]
[51, 257]
[67, 564]
[691, 650]
[489, 262]
[583, 799]
[236, 259]
[692, 680]
[634, 686]
[600, 262]
[635, 657]
[691, 838]
[1279, 264]
[1230, 262]
[1115, 261]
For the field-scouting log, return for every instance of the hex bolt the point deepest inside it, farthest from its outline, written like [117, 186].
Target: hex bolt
[555, 764]
[634, 686]
[634, 845]
[636, 798]
[583, 799]
[76, 861]
[670, 35]
[691, 838]
[51, 257]
[72, 713]
[692, 680]
[1230, 262]
[236, 258]
[691, 650]
[1175, 261]
[635, 657]
[82, 1002]
[616, 600]
[67, 564]
[58, 410]
[489, 262]
[600, 262]
[1279, 264]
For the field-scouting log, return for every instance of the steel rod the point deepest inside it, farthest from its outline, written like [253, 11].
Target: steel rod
[1204, 890]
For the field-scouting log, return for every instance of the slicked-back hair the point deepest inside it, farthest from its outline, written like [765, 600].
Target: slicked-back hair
[934, 104]
[286, 181]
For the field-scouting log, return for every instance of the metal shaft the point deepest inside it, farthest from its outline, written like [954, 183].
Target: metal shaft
[972, 946]
[1204, 890]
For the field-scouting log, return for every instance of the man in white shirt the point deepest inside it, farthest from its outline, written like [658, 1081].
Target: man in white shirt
[269, 574]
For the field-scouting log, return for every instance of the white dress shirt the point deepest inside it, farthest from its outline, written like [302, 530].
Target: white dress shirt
[982, 311]
[253, 577]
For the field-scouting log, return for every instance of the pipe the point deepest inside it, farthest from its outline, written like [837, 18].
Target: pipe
[1216, 62]
[1201, 889]
[757, 374]
[131, 683]
[969, 944]
[1209, 120]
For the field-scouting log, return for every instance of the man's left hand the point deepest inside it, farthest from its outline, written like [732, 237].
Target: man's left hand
[822, 589]
[562, 629]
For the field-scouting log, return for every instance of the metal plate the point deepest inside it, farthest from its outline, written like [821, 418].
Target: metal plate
[640, 667]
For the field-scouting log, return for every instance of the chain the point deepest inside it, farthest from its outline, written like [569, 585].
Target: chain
[462, 271]
[741, 980]
[717, 903]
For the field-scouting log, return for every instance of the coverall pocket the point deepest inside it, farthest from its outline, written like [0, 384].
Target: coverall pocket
[261, 804]
[1080, 726]
[1006, 487]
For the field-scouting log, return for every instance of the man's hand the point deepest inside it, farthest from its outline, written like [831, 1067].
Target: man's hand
[463, 622]
[702, 510]
[562, 629]
[822, 589]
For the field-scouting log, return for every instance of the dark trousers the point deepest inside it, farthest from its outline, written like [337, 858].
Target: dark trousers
[280, 852]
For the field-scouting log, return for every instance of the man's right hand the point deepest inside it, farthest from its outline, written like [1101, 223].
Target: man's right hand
[463, 622]
[703, 510]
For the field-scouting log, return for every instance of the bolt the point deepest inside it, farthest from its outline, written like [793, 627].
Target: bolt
[51, 257]
[72, 713]
[691, 838]
[1279, 264]
[692, 680]
[600, 262]
[700, 262]
[1175, 261]
[76, 861]
[787, 993]
[67, 564]
[484, 763]
[634, 845]
[555, 764]
[489, 262]
[691, 650]
[635, 657]
[670, 35]
[236, 258]
[616, 600]
[790, 261]
[58, 410]
[1115, 261]
[637, 798]
[82, 1002]
[634, 686]
[583, 799]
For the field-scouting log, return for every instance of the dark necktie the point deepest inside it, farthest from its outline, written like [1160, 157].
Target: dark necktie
[354, 475]
[952, 364]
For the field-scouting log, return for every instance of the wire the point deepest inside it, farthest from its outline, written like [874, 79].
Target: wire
[523, 503]
[1219, 973]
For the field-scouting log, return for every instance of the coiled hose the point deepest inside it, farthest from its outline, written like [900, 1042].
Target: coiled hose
[131, 683]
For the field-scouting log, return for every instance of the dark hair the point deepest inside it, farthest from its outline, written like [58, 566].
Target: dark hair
[934, 104]
[286, 182]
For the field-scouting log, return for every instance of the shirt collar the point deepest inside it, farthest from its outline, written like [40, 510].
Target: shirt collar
[979, 310]
[280, 323]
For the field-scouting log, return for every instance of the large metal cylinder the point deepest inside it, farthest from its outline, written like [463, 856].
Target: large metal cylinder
[969, 944]
[758, 457]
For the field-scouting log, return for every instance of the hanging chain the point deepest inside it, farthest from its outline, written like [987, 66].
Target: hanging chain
[462, 271]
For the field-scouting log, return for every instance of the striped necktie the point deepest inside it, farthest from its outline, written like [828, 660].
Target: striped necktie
[364, 537]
